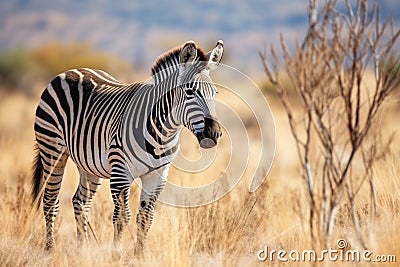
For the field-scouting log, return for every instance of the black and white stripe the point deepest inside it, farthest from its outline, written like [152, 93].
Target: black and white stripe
[121, 132]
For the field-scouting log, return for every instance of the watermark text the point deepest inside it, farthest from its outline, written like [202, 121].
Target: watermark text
[340, 253]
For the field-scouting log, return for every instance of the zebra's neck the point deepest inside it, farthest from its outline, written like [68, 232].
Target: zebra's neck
[150, 127]
[163, 124]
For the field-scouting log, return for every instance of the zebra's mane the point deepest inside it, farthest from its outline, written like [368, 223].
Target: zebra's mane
[170, 59]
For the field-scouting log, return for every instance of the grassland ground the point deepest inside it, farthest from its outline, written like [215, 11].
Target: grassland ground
[229, 232]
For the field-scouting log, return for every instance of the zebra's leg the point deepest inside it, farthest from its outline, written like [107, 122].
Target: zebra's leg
[120, 191]
[53, 170]
[82, 200]
[152, 185]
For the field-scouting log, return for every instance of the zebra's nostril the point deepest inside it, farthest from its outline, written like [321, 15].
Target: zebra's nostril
[207, 143]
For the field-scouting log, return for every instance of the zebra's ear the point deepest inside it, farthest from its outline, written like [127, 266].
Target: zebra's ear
[188, 53]
[215, 55]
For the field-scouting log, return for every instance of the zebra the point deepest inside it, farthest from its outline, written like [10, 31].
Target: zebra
[121, 132]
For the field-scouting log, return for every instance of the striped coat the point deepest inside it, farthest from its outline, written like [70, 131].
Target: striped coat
[121, 132]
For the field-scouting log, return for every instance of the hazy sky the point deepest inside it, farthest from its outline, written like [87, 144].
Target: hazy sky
[139, 31]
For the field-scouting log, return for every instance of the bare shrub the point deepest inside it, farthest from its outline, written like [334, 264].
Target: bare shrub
[334, 125]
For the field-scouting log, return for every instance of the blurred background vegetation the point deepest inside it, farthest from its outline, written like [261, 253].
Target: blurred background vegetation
[21, 68]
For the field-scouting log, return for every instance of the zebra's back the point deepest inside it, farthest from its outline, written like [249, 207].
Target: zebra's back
[81, 112]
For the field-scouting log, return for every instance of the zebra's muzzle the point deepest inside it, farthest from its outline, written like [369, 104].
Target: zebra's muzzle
[212, 132]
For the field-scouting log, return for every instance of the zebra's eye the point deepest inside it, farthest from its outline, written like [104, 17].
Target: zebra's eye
[190, 88]
[189, 91]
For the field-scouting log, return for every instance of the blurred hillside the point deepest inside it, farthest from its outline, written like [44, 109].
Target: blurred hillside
[139, 31]
[23, 69]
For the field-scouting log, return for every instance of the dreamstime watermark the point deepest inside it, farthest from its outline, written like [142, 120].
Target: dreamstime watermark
[341, 253]
[250, 139]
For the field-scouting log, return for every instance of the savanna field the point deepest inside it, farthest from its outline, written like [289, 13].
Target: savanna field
[229, 232]
[332, 191]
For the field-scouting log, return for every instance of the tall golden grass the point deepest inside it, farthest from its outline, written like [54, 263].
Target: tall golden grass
[228, 232]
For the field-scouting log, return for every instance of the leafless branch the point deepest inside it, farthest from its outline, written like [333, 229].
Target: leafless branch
[337, 108]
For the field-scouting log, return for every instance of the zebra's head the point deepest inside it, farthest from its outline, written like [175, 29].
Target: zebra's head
[199, 92]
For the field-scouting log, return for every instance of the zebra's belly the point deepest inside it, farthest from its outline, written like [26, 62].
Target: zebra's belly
[99, 164]
[140, 161]
[138, 168]
[94, 163]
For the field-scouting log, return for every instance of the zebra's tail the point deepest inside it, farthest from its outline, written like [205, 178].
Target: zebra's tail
[37, 178]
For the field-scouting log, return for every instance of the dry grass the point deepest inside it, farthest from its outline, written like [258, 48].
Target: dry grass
[226, 233]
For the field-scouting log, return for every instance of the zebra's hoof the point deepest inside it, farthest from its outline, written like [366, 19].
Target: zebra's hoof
[207, 143]
[49, 246]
